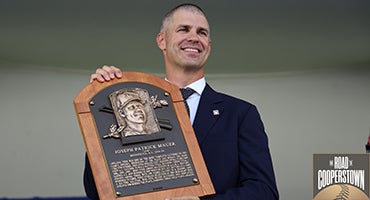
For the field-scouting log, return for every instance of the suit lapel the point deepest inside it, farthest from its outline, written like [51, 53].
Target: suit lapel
[208, 113]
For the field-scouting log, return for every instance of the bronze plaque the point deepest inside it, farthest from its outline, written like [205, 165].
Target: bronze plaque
[139, 139]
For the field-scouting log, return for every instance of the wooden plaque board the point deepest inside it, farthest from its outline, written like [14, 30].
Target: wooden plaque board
[162, 160]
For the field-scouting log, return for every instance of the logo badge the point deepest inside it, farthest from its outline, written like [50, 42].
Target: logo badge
[341, 176]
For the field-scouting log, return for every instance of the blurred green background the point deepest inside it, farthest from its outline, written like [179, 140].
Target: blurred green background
[248, 36]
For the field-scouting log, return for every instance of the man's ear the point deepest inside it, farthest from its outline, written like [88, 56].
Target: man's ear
[160, 41]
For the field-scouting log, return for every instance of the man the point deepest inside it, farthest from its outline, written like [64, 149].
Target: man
[229, 130]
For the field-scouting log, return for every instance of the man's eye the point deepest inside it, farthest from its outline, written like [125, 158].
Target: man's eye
[182, 30]
[204, 33]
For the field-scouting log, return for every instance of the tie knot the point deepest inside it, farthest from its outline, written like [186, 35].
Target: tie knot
[186, 92]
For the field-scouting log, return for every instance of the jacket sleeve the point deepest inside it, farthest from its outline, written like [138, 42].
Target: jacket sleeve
[89, 183]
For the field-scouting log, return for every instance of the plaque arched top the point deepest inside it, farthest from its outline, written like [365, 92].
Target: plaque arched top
[83, 98]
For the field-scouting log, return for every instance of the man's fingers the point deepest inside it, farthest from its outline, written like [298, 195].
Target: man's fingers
[112, 71]
[106, 73]
[93, 77]
[103, 75]
[98, 77]
[117, 72]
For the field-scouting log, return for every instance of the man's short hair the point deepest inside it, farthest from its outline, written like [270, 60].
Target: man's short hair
[186, 6]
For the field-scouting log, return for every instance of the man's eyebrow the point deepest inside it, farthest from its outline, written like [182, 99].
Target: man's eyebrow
[183, 26]
[203, 29]
[189, 26]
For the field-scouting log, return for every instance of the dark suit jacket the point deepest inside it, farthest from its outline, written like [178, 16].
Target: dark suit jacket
[235, 148]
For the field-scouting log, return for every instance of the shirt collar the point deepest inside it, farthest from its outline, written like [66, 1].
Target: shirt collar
[198, 85]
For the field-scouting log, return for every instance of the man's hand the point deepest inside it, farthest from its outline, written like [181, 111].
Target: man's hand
[106, 73]
[183, 198]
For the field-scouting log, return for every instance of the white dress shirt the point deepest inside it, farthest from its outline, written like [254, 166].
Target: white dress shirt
[193, 100]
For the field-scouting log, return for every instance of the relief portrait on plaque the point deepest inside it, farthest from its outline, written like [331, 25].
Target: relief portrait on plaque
[134, 114]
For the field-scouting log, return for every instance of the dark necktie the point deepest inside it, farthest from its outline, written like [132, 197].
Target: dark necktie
[186, 93]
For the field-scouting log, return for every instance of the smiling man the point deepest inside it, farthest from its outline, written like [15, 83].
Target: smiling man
[229, 131]
[185, 42]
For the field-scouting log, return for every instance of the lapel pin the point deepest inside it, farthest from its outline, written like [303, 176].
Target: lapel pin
[216, 112]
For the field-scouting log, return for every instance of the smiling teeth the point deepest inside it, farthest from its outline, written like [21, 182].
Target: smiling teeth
[192, 50]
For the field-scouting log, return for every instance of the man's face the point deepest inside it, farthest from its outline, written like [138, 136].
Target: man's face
[134, 112]
[186, 40]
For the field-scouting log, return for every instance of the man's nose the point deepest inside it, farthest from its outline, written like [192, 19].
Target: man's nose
[193, 36]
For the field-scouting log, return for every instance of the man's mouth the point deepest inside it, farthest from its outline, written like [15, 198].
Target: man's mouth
[191, 50]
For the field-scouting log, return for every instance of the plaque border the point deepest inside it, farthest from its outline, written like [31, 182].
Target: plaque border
[96, 155]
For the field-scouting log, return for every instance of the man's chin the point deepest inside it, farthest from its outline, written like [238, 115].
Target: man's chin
[193, 65]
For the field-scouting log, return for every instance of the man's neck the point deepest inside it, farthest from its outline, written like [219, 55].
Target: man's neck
[183, 78]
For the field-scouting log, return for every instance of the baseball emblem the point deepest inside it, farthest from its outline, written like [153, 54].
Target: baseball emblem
[341, 192]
